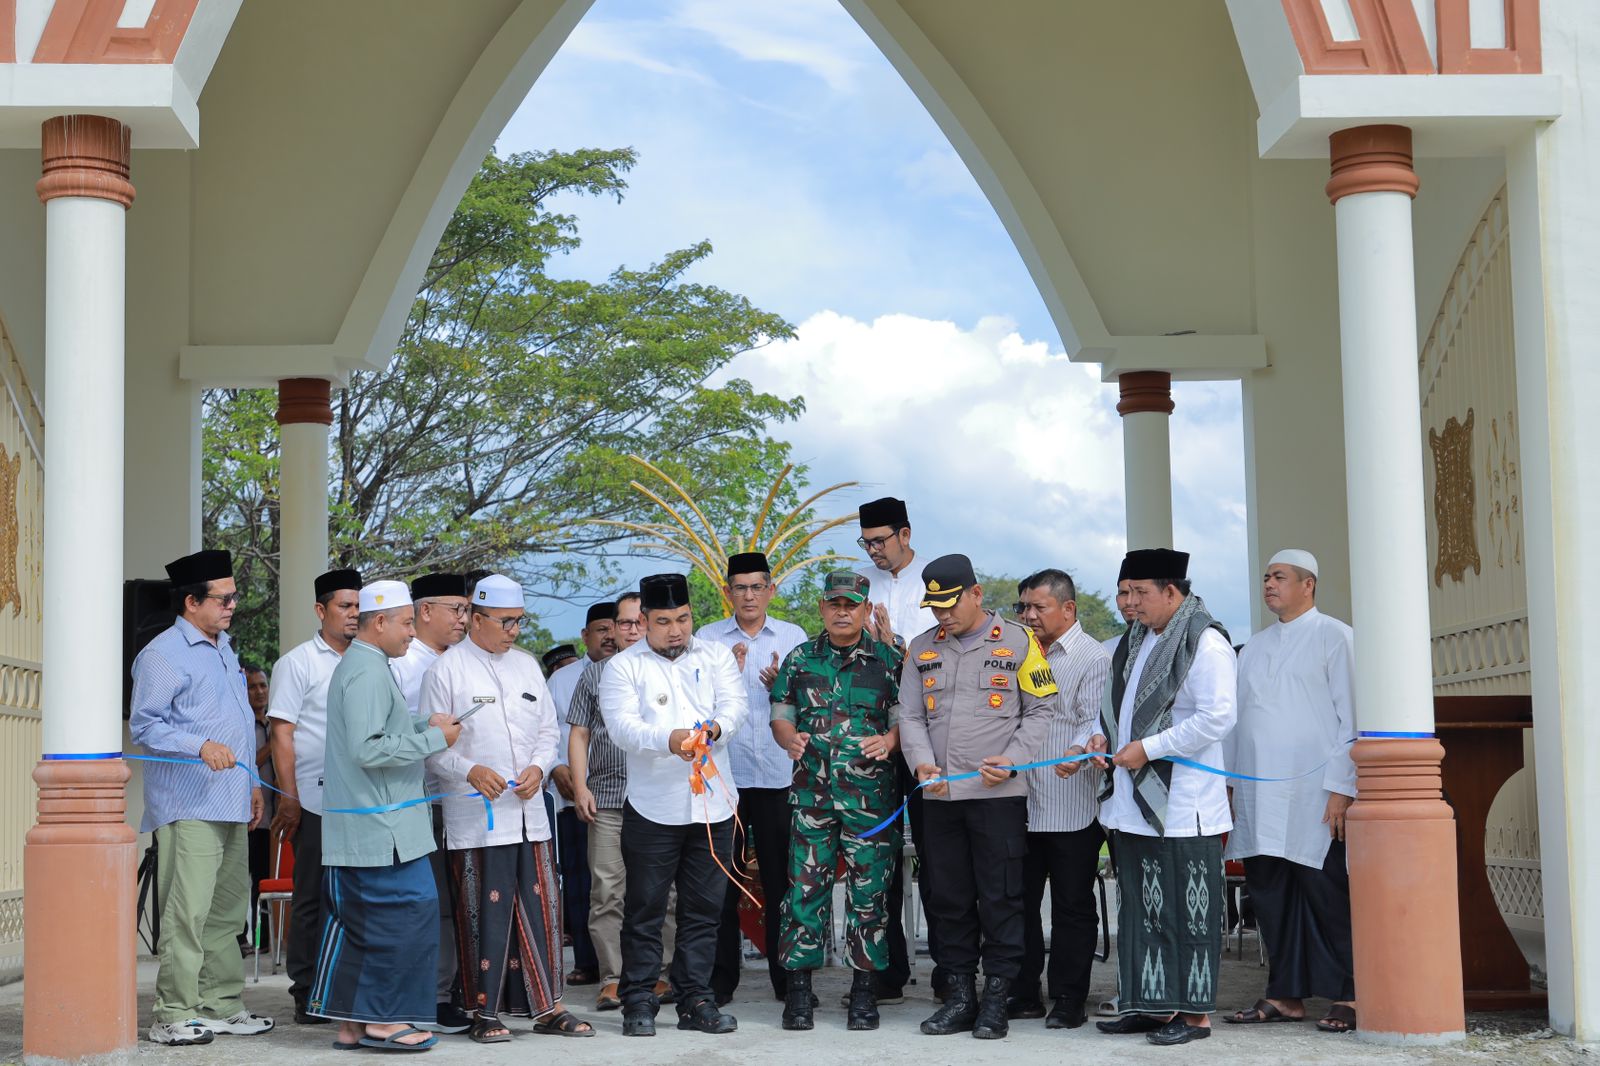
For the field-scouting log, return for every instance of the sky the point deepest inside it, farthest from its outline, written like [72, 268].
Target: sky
[929, 364]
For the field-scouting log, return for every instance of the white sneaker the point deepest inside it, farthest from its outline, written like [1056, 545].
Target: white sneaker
[178, 1034]
[242, 1024]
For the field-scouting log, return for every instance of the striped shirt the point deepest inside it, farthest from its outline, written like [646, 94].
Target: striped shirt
[608, 764]
[186, 691]
[1081, 666]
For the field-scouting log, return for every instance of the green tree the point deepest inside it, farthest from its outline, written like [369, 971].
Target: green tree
[500, 429]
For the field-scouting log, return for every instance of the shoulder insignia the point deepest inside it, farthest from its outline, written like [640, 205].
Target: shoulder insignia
[939, 635]
[928, 656]
[1002, 652]
[995, 699]
[994, 634]
[929, 682]
[999, 681]
[929, 703]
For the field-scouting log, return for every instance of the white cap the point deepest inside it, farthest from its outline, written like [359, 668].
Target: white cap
[497, 590]
[384, 596]
[1296, 557]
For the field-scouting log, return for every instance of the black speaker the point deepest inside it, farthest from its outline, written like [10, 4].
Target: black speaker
[146, 611]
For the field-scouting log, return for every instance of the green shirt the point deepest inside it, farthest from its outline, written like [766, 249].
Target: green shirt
[840, 696]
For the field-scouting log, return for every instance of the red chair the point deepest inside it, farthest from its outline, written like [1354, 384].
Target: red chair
[275, 893]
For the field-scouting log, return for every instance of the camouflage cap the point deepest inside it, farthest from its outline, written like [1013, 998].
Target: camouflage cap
[852, 587]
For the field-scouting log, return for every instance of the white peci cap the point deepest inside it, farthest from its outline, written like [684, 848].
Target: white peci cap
[1296, 557]
[497, 590]
[384, 596]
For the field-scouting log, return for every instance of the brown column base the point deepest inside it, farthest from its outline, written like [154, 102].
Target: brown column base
[79, 998]
[1402, 851]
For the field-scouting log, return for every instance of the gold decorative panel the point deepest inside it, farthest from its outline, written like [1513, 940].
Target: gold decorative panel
[1454, 500]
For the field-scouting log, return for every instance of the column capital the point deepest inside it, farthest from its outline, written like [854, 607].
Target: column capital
[304, 401]
[85, 155]
[1141, 391]
[1371, 159]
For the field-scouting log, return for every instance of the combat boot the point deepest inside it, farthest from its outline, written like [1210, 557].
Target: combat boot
[960, 1008]
[863, 1001]
[991, 1023]
[798, 1004]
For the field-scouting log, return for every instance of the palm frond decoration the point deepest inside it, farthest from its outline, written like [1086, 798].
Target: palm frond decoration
[688, 535]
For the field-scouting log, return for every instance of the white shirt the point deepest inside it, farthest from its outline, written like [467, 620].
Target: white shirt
[901, 594]
[507, 733]
[299, 696]
[754, 758]
[1081, 667]
[408, 671]
[562, 684]
[644, 697]
[1202, 714]
[1296, 711]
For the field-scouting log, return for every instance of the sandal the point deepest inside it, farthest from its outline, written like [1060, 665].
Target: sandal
[1259, 1014]
[392, 1042]
[563, 1023]
[1340, 1019]
[487, 1029]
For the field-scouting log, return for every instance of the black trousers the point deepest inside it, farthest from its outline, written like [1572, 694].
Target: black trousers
[902, 954]
[658, 857]
[305, 910]
[447, 976]
[258, 843]
[572, 849]
[975, 849]
[1068, 861]
[1304, 918]
[765, 814]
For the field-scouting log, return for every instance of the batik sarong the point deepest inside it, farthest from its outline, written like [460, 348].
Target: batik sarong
[379, 945]
[508, 928]
[1169, 922]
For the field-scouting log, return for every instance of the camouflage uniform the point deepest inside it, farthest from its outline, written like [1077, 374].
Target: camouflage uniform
[839, 697]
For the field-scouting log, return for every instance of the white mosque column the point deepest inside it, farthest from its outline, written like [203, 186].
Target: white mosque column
[1401, 836]
[304, 415]
[79, 860]
[1145, 404]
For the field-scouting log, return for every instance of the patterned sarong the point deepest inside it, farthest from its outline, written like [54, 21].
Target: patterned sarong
[1169, 922]
[508, 928]
[379, 944]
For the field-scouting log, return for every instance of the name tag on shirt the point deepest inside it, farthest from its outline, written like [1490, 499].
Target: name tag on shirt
[483, 699]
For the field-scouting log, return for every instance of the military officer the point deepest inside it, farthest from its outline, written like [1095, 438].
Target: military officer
[976, 695]
[833, 711]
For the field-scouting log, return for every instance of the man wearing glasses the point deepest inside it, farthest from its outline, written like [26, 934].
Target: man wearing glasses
[508, 902]
[761, 770]
[298, 702]
[441, 622]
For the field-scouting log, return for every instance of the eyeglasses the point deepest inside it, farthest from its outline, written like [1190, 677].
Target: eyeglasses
[630, 623]
[227, 599]
[749, 590]
[876, 543]
[510, 625]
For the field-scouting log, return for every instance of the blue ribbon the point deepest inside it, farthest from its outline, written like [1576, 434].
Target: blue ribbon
[1021, 767]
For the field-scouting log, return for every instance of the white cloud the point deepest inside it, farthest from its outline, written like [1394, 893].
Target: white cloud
[624, 42]
[801, 33]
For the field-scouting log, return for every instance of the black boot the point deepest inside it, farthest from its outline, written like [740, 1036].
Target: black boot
[798, 1001]
[863, 1001]
[991, 1023]
[960, 1008]
[1066, 1014]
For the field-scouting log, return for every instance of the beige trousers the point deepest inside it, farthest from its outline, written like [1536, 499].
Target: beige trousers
[610, 880]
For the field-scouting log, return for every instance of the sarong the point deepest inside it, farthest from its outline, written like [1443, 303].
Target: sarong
[1169, 922]
[379, 949]
[508, 928]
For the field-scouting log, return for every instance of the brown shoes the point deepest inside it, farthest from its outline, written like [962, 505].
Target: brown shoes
[607, 999]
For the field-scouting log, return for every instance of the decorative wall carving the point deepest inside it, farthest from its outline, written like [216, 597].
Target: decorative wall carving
[1454, 500]
[10, 530]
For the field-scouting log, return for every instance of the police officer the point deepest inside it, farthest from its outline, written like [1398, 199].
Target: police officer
[833, 711]
[976, 695]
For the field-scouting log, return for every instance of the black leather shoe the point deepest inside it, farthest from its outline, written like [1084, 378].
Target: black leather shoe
[798, 1004]
[1130, 1023]
[703, 1016]
[1178, 1031]
[638, 1023]
[452, 1019]
[991, 1023]
[960, 1009]
[302, 1018]
[1025, 1006]
[863, 1003]
[1066, 1014]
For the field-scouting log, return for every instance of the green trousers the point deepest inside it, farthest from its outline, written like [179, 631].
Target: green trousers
[817, 837]
[203, 878]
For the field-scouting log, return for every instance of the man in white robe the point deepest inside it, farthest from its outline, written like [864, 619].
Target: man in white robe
[1296, 714]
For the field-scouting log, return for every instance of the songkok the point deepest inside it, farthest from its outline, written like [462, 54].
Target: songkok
[748, 563]
[842, 584]
[1296, 557]
[945, 579]
[210, 565]
[384, 596]
[338, 581]
[557, 655]
[434, 586]
[885, 512]
[663, 592]
[600, 612]
[1149, 564]
[497, 590]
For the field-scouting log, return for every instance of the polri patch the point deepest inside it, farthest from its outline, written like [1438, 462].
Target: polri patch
[995, 699]
[999, 681]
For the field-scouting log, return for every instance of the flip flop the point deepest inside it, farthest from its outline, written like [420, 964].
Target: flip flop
[564, 1023]
[1260, 1014]
[340, 1045]
[392, 1042]
[1340, 1019]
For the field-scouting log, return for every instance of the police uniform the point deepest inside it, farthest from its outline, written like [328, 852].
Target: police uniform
[963, 698]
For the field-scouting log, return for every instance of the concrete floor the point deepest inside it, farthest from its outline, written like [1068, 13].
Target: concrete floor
[760, 1040]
